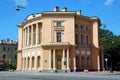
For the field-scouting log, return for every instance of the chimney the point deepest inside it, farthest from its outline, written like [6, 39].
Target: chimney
[56, 9]
[79, 12]
[64, 9]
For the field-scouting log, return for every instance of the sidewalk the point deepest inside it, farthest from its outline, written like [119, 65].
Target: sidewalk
[97, 72]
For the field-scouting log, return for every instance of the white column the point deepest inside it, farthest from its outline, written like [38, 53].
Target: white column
[28, 36]
[54, 62]
[36, 33]
[31, 34]
[49, 59]
[98, 59]
[74, 61]
[25, 37]
[63, 59]
[68, 59]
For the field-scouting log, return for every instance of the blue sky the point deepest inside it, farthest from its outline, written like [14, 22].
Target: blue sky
[107, 10]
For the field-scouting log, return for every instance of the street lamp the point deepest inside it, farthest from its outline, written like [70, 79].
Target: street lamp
[111, 70]
[106, 64]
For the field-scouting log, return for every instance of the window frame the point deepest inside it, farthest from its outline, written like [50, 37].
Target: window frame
[58, 37]
[58, 24]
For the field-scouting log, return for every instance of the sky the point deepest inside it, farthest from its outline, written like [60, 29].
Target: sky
[107, 10]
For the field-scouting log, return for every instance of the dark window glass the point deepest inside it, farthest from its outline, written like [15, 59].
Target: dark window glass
[82, 39]
[76, 26]
[15, 49]
[83, 64]
[38, 62]
[4, 48]
[8, 49]
[81, 27]
[33, 61]
[58, 36]
[28, 64]
[87, 28]
[77, 62]
[88, 61]
[4, 56]
[15, 56]
[59, 24]
[87, 40]
[76, 39]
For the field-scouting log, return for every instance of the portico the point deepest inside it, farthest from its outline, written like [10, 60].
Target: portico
[59, 57]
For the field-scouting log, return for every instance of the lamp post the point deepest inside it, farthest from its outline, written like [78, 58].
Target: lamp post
[106, 64]
[111, 70]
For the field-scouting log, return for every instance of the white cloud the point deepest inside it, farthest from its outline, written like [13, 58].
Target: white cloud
[21, 2]
[109, 2]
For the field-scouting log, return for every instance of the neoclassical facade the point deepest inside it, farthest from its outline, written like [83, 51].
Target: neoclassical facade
[59, 41]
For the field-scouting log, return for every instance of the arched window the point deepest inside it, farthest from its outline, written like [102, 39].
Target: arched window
[77, 61]
[28, 62]
[4, 57]
[82, 61]
[88, 61]
[33, 61]
[38, 61]
[24, 62]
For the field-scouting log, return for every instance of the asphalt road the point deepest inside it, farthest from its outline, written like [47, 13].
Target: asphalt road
[55, 76]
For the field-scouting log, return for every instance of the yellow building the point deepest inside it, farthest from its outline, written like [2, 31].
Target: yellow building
[59, 41]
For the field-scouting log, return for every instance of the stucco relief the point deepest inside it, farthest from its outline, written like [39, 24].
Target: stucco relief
[38, 52]
[88, 52]
[83, 52]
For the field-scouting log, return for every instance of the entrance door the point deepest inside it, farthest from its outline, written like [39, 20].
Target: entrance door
[58, 65]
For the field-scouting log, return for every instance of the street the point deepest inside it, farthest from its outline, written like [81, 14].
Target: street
[56, 76]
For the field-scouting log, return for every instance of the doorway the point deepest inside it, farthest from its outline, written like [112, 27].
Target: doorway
[58, 62]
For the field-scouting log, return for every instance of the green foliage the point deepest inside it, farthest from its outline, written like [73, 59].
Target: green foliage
[111, 43]
[8, 66]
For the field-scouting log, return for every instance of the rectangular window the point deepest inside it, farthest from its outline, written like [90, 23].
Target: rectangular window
[82, 39]
[8, 49]
[58, 36]
[81, 27]
[87, 28]
[4, 48]
[58, 24]
[76, 26]
[87, 40]
[76, 39]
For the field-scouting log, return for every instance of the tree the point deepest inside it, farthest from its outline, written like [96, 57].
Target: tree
[112, 50]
